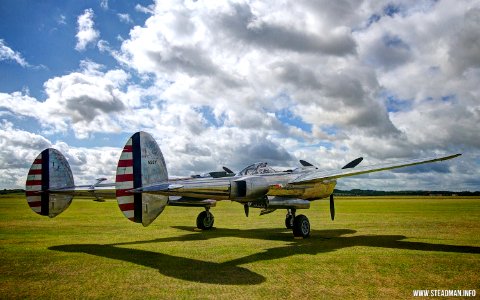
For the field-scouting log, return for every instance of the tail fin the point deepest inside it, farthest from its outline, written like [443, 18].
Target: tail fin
[141, 164]
[49, 171]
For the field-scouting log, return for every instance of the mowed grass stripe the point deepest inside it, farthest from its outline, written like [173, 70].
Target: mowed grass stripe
[377, 247]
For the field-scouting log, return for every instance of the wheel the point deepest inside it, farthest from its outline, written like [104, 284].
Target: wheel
[289, 222]
[205, 220]
[301, 226]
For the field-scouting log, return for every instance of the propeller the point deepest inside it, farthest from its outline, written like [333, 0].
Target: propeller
[350, 165]
[246, 208]
[227, 170]
[353, 163]
[305, 163]
[332, 207]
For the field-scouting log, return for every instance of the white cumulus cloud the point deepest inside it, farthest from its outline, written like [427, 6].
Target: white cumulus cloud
[86, 32]
[85, 101]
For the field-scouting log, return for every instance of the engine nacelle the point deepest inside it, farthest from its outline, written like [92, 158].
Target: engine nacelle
[251, 187]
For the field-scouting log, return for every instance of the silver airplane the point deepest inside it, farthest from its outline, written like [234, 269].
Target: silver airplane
[143, 189]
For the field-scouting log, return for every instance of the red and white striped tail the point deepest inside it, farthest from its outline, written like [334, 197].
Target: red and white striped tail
[124, 182]
[33, 186]
[141, 164]
[49, 171]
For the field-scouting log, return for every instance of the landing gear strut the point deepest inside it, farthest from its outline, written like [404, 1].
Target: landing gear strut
[300, 224]
[205, 220]
[289, 218]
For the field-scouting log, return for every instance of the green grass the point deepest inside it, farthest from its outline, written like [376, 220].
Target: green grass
[378, 247]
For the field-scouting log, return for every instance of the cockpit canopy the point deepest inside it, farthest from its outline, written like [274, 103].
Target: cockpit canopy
[257, 168]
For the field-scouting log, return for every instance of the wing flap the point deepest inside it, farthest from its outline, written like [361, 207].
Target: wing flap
[161, 187]
[191, 202]
[316, 176]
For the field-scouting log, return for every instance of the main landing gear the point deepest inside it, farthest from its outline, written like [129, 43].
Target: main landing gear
[205, 220]
[300, 224]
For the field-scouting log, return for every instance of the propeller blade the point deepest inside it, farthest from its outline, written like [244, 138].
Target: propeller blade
[227, 170]
[305, 163]
[332, 207]
[353, 163]
[246, 208]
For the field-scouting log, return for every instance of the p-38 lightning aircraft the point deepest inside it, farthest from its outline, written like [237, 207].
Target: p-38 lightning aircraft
[143, 189]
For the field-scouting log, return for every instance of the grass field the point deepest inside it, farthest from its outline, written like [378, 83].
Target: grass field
[377, 247]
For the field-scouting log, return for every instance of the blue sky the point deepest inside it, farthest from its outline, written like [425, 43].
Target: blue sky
[44, 33]
[236, 82]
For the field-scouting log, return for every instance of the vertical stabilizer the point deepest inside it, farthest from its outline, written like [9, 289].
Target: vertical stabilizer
[49, 171]
[141, 164]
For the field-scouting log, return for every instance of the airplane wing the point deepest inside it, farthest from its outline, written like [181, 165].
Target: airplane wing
[319, 175]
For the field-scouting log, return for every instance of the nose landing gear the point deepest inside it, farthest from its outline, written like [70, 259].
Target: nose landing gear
[205, 220]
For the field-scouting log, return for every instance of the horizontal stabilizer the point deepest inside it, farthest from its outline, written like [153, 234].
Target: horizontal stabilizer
[325, 175]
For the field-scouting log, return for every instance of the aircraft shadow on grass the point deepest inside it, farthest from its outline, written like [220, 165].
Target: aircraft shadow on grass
[230, 272]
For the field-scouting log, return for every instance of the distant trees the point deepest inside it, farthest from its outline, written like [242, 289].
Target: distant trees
[359, 192]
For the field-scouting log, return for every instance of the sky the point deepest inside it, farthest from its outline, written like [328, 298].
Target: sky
[229, 83]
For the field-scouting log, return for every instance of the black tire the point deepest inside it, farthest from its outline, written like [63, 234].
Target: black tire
[301, 226]
[288, 222]
[205, 220]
